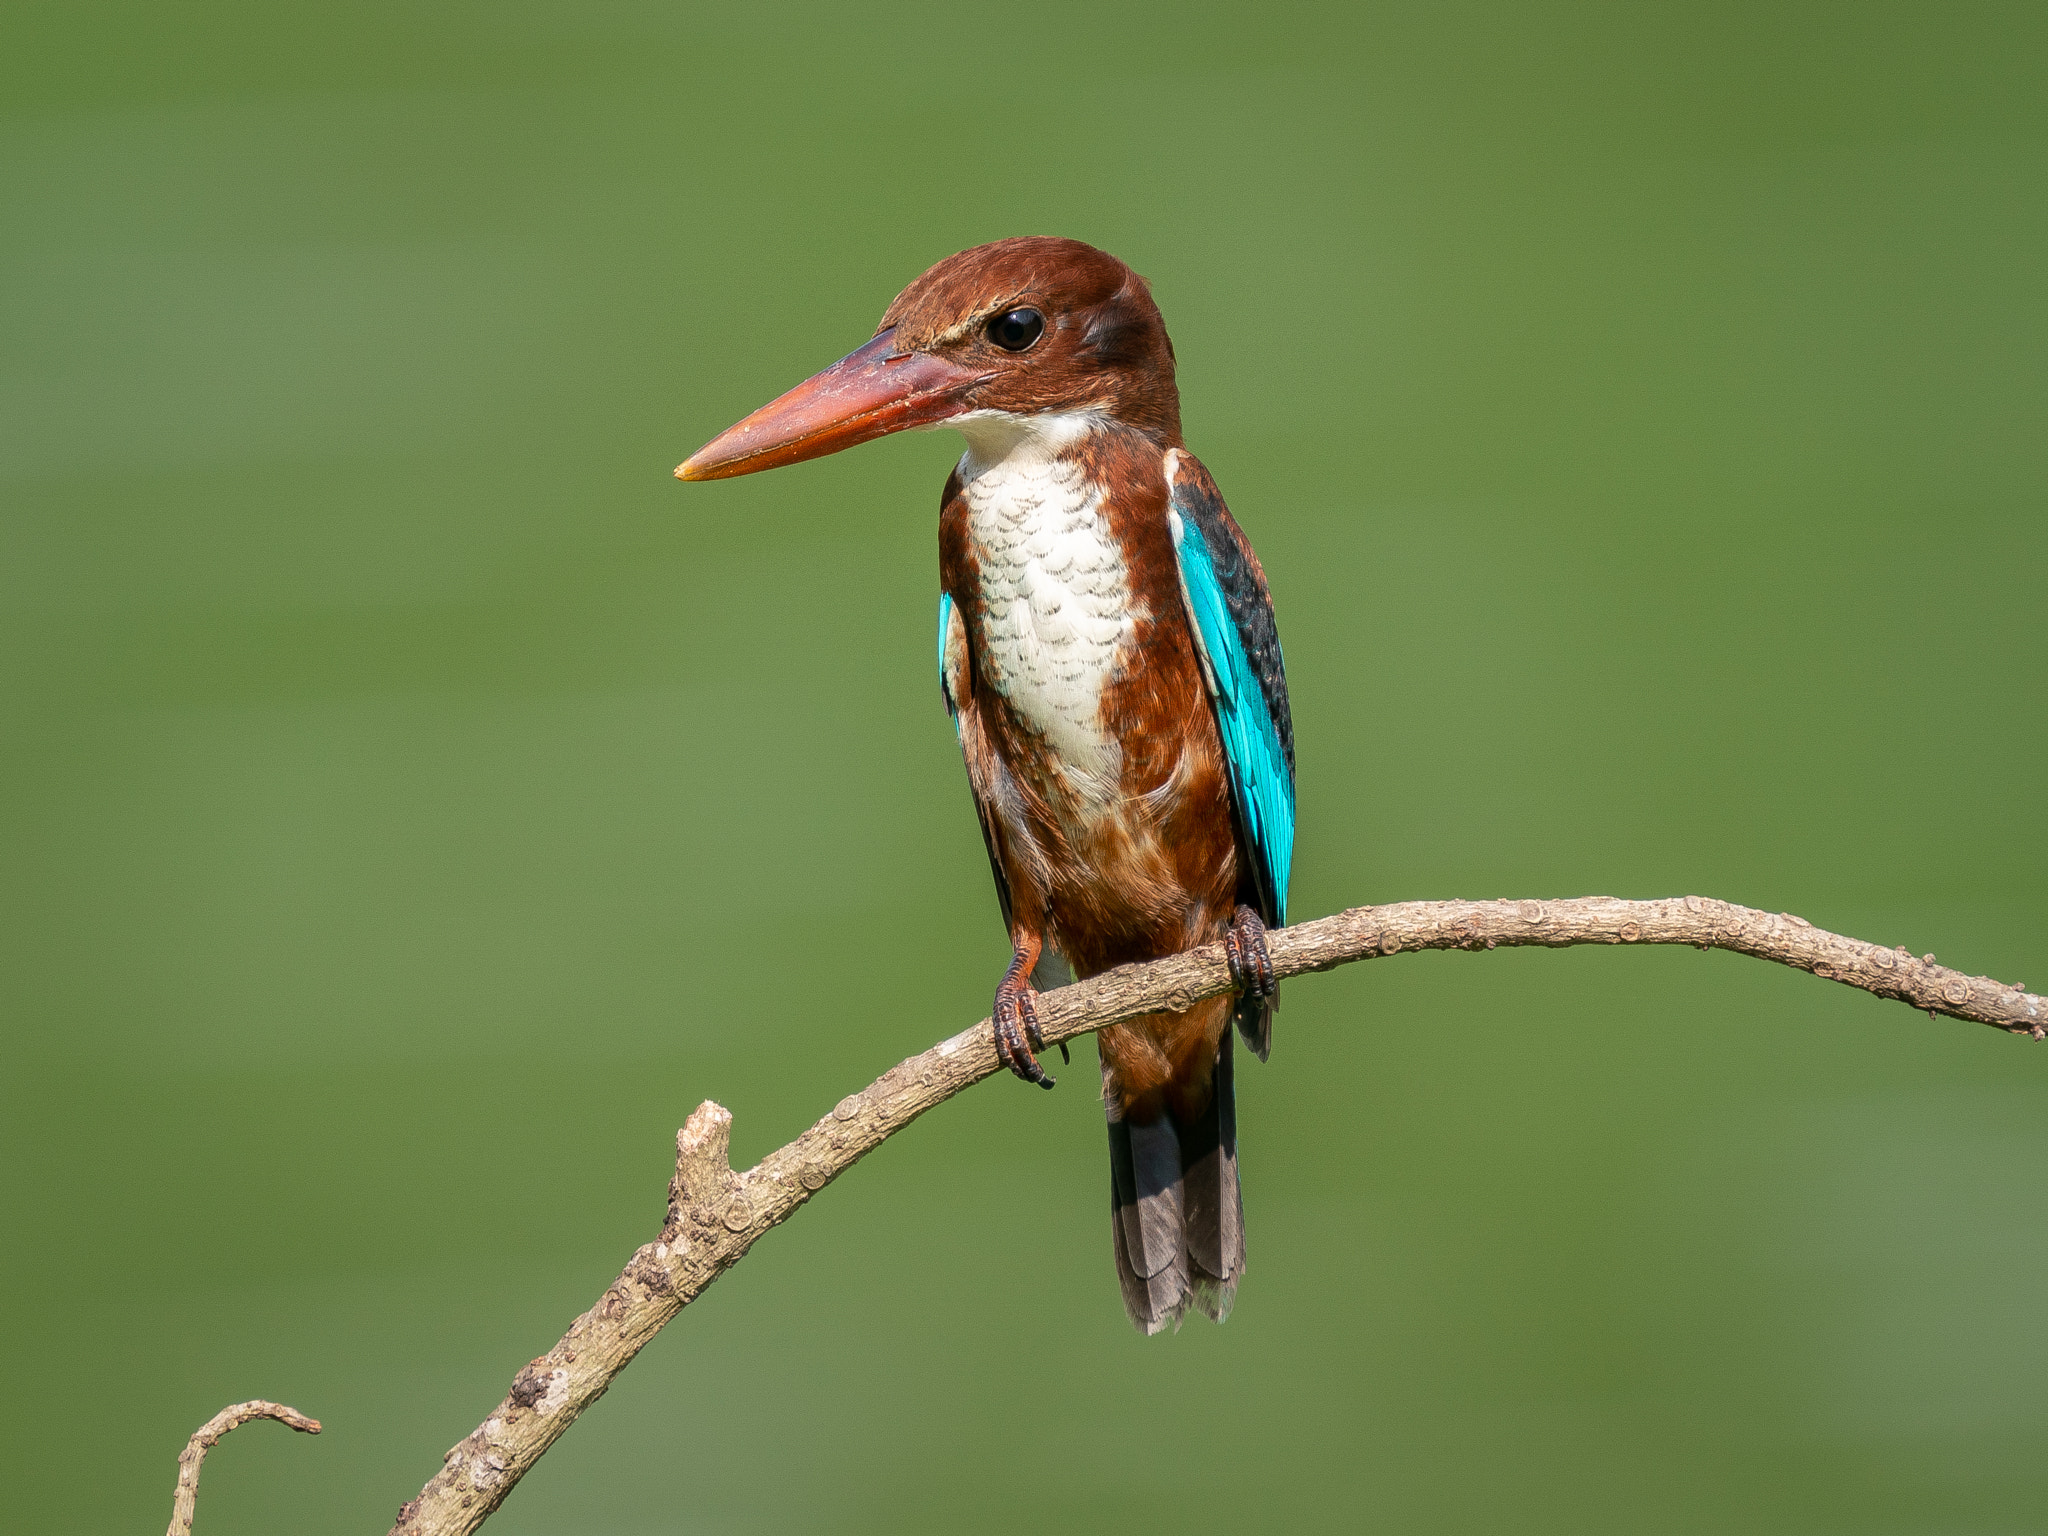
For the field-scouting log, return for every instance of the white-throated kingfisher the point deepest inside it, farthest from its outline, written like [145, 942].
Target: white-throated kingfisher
[1108, 654]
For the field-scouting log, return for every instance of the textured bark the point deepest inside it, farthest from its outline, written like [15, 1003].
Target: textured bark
[208, 1436]
[716, 1215]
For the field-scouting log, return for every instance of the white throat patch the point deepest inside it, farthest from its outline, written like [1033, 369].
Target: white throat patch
[1056, 600]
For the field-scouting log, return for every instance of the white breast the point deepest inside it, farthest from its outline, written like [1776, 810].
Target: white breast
[1056, 600]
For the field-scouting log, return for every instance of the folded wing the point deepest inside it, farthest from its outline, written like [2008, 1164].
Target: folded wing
[1232, 615]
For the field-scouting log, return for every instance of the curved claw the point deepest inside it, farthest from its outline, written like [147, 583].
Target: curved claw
[1016, 1029]
[1244, 946]
[1037, 1038]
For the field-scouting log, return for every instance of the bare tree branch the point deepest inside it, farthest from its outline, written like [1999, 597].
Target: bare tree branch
[716, 1215]
[208, 1436]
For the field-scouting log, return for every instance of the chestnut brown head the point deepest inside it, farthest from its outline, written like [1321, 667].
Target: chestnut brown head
[1027, 327]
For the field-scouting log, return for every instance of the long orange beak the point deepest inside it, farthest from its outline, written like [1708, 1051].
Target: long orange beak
[868, 393]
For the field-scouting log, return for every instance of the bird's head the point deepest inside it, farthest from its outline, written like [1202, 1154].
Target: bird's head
[1000, 336]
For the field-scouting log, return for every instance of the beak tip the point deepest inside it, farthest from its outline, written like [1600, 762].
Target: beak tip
[687, 470]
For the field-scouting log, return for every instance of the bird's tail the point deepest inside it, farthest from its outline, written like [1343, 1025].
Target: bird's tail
[1176, 1214]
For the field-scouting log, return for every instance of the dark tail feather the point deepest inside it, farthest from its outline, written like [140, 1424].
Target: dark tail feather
[1052, 970]
[1176, 1214]
[1254, 1017]
[1212, 1201]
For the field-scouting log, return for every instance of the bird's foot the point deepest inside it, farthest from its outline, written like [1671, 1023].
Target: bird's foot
[1244, 945]
[1016, 1025]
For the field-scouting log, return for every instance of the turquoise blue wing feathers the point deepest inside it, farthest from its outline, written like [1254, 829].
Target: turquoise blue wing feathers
[945, 621]
[1240, 645]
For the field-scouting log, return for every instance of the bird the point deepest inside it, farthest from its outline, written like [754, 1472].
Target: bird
[1108, 654]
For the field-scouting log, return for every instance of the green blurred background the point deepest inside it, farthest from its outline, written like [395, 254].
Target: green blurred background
[415, 801]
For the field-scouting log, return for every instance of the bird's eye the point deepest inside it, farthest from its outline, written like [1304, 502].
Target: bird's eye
[1017, 329]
